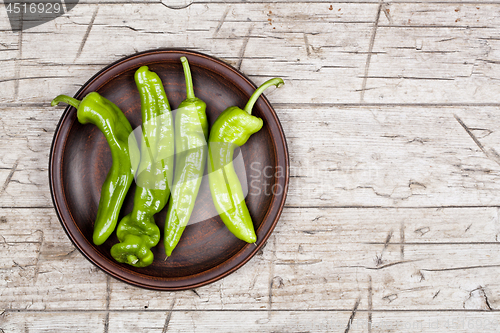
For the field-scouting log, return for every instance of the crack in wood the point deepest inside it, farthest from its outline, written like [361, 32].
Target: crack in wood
[390, 298]
[387, 13]
[378, 259]
[403, 77]
[476, 141]
[370, 50]
[35, 78]
[17, 72]
[16, 264]
[482, 294]
[67, 255]
[221, 22]
[434, 26]
[402, 240]
[244, 47]
[353, 314]
[9, 177]
[458, 268]
[87, 32]
[422, 231]
[38, 253]
[299, 262]
[382, 266]
[169, 316]
[308, 51]
[271, 274]
[108, 298]
[27, 207]
[486, 300]
[370, 303]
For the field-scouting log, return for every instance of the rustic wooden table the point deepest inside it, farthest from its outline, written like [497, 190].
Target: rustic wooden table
[391, 112]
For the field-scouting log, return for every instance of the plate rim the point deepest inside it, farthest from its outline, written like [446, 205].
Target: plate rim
[246, 248]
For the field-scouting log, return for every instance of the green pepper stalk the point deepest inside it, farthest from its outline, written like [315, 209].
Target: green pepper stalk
[137, 232]
[111, 121]
[191, 132]
[233, 128]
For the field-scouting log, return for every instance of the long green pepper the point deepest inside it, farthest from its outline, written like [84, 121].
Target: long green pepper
[191, 132]
[111, 121]
[137, 232]
[233, 128]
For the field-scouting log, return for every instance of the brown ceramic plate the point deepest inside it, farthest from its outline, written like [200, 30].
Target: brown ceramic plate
[207, 251]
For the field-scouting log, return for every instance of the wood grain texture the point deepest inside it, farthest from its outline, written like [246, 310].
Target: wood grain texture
[390, 110]
[377, 156]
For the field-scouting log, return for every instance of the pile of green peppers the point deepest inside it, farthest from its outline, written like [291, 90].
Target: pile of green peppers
[153, 165]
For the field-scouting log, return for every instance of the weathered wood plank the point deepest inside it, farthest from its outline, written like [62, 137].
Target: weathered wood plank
[314, 266]
[248, 288]
[316, 259]
[255, 321]
[180, 5]
[264, 40]
[389, 156]
[383, 156]
[248, 321]
[427, 53]
[50, 322]
[317, 53]
[41, 268]
[435, 322]
[183, 321]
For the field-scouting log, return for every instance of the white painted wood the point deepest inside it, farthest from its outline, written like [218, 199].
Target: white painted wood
[263, 40]
[388, 156]
[254, 321]
[426, 53]
[316, 259]
[390, 111]
[322, 54]
[382, 156]
[50, 322]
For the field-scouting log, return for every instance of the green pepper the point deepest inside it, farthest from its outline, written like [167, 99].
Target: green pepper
[191, 131]
[138, 232]
[111, 121]
[233, 128]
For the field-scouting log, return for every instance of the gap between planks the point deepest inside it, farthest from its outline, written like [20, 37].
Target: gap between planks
[374, 2]
[302, 105]
[247, 310]
[321, 207]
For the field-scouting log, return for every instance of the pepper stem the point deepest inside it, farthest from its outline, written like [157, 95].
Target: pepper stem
[255, 96]
[132, 260]
[189, 79]
[65, 99]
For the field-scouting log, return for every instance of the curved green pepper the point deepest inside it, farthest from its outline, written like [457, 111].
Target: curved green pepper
[191, 131]
[111, 121]
[233, 128]
[137, 232]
